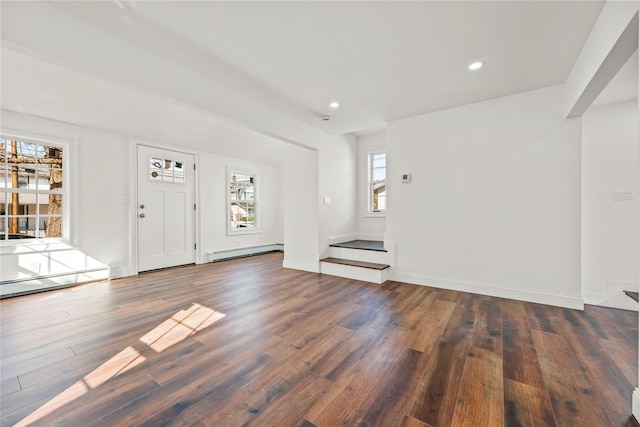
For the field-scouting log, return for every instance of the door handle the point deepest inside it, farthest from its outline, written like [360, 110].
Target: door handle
[141, 215]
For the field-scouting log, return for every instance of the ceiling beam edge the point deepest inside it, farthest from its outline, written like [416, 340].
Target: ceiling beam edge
[613, 40]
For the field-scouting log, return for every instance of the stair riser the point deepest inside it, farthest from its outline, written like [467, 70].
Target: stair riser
[357, 273]
[360, 255]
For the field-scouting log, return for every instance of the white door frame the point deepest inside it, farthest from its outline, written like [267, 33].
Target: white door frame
[132, 202]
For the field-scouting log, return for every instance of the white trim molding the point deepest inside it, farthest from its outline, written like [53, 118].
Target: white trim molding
[635, 403]
[304, 266]
[492, 290]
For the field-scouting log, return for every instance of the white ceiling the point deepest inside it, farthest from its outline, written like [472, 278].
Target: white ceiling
[382, 60]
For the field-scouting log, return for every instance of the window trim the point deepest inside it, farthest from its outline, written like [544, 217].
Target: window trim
[257, 228]
[370, 212]
[69, 195]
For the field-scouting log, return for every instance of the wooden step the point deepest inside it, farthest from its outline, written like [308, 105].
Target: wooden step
[632, 295]
[352, 263]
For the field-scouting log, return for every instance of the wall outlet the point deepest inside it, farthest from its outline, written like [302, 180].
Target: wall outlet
[327, 200]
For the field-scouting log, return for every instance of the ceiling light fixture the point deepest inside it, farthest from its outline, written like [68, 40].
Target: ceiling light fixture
[475, 66]
[334, 104]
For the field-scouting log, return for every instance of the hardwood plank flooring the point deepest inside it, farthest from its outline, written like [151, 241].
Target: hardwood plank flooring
[248, 343]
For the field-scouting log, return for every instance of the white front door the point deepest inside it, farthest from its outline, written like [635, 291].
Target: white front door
[166, 210]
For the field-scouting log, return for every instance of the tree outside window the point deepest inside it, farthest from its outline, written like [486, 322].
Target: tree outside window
[31, 190]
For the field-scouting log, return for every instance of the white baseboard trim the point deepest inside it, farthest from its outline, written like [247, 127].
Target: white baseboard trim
[594, 298]
[635, 404]
[620, 300]
[492, 290]
[242, 252]
[617, 286]
[310, 267]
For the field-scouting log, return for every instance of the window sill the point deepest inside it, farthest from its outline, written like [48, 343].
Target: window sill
[22, 246]
[241, 232]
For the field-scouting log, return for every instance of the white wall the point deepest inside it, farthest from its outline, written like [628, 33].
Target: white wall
[103, 223]
[494, 206]
[337, 180]
[301, 199]
[609, 228]
[213, 204]
[370, 226]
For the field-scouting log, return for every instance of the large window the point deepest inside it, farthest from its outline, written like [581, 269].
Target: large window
[31, 189]
[378, 182]
[242, 202]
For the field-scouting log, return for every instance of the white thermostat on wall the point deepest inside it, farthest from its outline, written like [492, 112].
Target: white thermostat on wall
[406, 177]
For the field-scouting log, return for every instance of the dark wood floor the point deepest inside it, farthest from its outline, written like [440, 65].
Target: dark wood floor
[246, 342]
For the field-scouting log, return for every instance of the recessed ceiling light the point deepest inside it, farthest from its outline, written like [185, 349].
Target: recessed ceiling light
[475, 66]
[334, 104]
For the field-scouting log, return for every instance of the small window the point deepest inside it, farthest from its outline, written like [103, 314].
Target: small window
[166, 170]
[32, 190]
[378, 182]
[242, 202]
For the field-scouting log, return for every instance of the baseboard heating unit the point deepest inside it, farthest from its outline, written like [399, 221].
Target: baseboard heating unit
[243, 252]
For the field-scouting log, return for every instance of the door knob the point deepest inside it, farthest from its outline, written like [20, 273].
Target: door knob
[141, 215]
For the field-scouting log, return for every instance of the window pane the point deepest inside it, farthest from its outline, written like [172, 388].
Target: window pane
[379, 160]
[378, 193]
[379, 197]
[25, 225]
[167, 170]
[51, 227]
[19, 203]
[3, 174]
[21, 176]
[178, 172]
[54, 206]
[49, 178]
[155, 169]
[34, 170]
[242, 196]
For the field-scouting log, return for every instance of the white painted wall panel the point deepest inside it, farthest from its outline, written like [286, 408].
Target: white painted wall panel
[495, 198]
[609, 228]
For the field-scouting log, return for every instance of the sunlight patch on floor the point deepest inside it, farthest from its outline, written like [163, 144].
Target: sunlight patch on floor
[177, 328]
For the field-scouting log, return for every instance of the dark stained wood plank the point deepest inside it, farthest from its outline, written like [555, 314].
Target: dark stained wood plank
[353, 263]
[525, 405]
[302, 349]
[435, 399]
[408, 421]
[567, 382]
[481, 381]
[520, 359]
